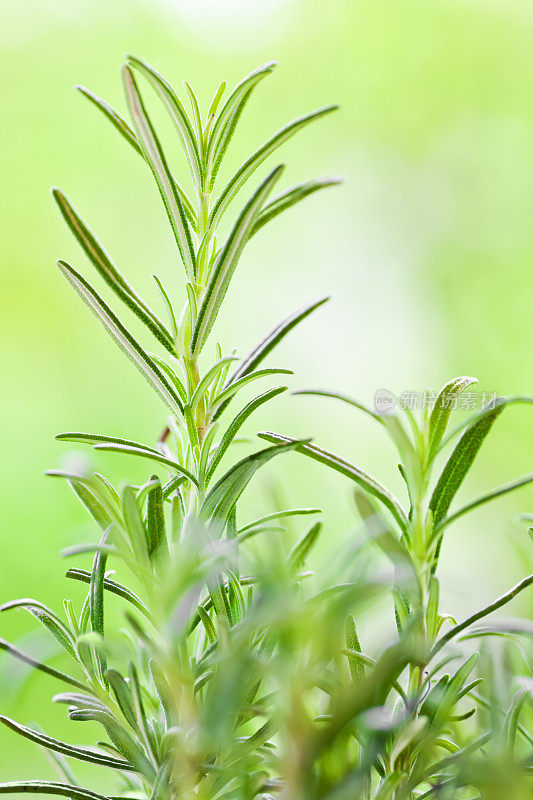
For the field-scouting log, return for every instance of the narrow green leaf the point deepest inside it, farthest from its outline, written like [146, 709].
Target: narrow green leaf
[459, 463]
[108, 271]
[47, 618]
[115, 588]
[257, 158]
[172, 375]
[216, 99]
[227, 261]
[291, 197]
[92, 503]
[442, 409]
[140, 713]
[124, 743]
[345, 399]
[155, 157]
[232, 102]
[289, 512]
[236, 425]
[157, 537]
[169, 307]
[163, 690]
[303, 546]
[226, 395]
[99, 438]
[113, 116]
[123, 339]
[26, 659]
[229, 488]
[477, 416]
[485, 498]
[272, 339]
[80, 753]
[512, 715]
[79, 700]
[357, 666]
[129, 135]
[501, 601]
[226, 135]
[96, 599]
[50, 787]
[210, 376]
[142, 452]
[134, 525]
[176, 111]
[123, 696]
[360, 477]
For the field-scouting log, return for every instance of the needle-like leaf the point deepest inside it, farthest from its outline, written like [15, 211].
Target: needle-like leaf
[356, 474]
[143, 452]
[115, 588]
[485, 498]
[177, 113]
[80, 753]
[289, 198]
[257, 158]
[272, 339]
[155, 157]
[123, 339]
[459, 464]
[110, 273]
[237, 423]
[38, 665]
[229, 488]
[226, 395]
[442, 409]
[50, 787]
[220, 136]
[46, 617]
[501, 601]
[227, 261]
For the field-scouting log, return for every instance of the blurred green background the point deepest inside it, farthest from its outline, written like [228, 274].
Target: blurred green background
[427, 251]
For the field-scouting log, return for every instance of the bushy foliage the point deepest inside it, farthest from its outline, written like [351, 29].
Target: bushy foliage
[235, 671]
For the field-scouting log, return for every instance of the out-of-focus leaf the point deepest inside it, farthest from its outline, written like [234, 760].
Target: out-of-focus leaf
[303, 546]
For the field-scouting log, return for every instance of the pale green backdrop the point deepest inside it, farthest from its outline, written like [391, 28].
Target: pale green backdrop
[427, 251]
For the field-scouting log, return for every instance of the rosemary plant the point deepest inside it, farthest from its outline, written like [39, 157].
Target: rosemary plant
[235, 672]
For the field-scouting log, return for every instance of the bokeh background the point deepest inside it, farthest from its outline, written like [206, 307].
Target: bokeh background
[427, 252]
